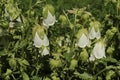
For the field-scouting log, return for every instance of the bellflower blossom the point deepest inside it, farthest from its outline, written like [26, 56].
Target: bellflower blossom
[98, 51]
[38, 42]
[94, 34]
[94, 30]
[83, 41]
[50, 20]
[41, 42]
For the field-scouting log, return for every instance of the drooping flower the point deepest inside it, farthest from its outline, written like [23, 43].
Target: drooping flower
[94, 30]
[50, 20]
[83, 39]
[39, 42]
[93, 34]
[98, 51]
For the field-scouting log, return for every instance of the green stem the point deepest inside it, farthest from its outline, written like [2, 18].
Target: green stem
[13, 77]
[67, 17]
[117, 9]
[107, 68]
[30, 3]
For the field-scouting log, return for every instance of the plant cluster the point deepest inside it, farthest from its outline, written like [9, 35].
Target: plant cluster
[59, 39]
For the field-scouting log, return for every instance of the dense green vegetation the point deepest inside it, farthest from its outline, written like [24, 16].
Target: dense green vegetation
[59, 39]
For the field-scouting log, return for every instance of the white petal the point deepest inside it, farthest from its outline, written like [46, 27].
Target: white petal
[45, 41]
[37, 41]
[98, 34]
[83, 41]
[92, 33]
[50, 20]
[99, 50]
[45, 52]
[92, 57]
[18, 19]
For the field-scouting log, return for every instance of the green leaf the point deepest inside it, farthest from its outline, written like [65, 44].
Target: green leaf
[36, 78]
[8, 72]
[12, 63]
[25, 76]
[25, 62]
[109, 74]
[83, 76]
[110, 59]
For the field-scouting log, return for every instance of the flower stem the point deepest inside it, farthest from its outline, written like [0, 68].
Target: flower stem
[107, 68]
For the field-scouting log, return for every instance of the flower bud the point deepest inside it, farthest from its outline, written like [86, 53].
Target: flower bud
[86, 15]
[84, 55]
[63, 19]
[110, 50]
[110, 33]
[55, 63]
[73, 63]
[114, 29]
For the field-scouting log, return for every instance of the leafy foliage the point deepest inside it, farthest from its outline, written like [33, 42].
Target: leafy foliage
[21, 60]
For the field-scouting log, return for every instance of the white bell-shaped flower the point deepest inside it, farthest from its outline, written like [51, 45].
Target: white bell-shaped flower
[98, 51]
[50, 20]
[38, 42]
[83, 41]
[94, 34]
[45, 51]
